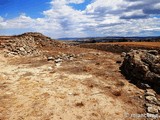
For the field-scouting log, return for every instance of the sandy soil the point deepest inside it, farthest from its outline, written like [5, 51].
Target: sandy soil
[89, 87]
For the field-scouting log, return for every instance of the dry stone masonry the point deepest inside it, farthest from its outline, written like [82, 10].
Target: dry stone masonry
[152, 103]
[29, 44]
[142, 66]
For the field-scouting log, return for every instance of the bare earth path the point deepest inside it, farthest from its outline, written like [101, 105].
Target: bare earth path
[89, 87]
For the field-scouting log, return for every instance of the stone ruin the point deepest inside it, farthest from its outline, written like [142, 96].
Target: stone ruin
[29, 44]
[142, 66]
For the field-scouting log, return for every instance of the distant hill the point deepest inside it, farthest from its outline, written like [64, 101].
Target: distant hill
[68, 38]
[113, 39]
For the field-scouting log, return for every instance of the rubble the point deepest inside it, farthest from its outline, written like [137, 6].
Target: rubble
[151, 102]
[62, 57]
[152, 110]
[143, 66]
[58, 59]
[29, 44]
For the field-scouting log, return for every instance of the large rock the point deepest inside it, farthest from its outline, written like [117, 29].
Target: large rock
[142, 65]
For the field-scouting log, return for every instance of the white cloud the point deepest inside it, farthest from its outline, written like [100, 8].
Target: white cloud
[2, 23]
[100, 18]
[108, 4]
[157, 6]
[1, 19]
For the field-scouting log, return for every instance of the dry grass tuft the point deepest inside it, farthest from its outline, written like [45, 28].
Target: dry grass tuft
[28, 74]
[117, 92]
[79, 104]
[87, 69]
[120, 84]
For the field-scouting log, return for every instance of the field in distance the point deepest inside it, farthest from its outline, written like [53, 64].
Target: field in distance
[146, 44]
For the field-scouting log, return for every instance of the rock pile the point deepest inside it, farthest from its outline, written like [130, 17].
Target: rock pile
[152, 103]
[29, 44]
[142, 66]
[60, 58]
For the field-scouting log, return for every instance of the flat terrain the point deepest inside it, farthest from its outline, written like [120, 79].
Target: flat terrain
[119, 47]
[86, 87]
[145, 44]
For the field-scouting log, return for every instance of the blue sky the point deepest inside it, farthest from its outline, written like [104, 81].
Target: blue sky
[13, 8]
[80, 18]
[81, 6]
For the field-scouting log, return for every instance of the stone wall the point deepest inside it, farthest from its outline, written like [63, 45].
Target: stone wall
[142, 66]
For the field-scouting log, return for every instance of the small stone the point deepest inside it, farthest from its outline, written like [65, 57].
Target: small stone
[158, 102]
[147, 86]
[58, 56]
[70, 93]
[58, 64]
[153, 116]
[63, 55]
[50, 58]
[14, 53]
[151, 90]
[143, 85]
[148, 105]
[58, 60]
[123, 54]
[153, 110]
[50, 68]
[151, 99]
[71, 55]
[154, 52]
[150, 94]
[21, 49]
[71, 58]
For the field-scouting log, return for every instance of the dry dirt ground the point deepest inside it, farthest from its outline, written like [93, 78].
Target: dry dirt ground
[145, 44]
[89, 87]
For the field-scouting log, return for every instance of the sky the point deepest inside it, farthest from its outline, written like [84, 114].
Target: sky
[80, 18]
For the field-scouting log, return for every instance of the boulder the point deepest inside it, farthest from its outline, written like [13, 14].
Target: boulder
[142, 65]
